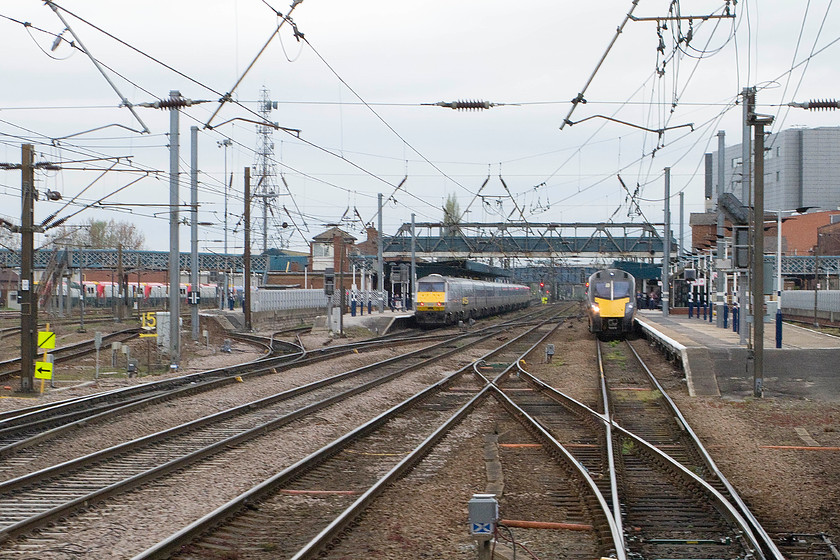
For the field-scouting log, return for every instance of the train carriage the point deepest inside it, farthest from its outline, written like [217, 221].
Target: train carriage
[445, 300]
[611, 298]
[147, 294]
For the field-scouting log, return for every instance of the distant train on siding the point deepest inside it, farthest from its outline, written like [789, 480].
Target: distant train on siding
[445, 300]
[611, 298]
[103, 294]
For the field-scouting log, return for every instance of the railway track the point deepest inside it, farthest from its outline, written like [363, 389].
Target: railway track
[69, 352]
[622, 475]
[305, 509]
[22, 428]
[683, 506]
[99, 475]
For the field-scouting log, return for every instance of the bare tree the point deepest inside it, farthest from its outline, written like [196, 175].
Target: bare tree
[99, 234]
[9, 240]
[451, 215]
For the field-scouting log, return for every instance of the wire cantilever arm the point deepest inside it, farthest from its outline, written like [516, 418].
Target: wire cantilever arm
[659, 131]
[124, 101]
[580, 98]
[227, 97]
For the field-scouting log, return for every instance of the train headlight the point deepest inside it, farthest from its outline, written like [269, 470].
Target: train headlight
[595, 308]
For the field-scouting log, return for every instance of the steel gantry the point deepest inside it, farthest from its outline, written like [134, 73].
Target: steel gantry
[529, 240]
[136, 260]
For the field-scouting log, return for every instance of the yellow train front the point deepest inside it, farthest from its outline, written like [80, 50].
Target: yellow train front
[445, 300]
[611, 295]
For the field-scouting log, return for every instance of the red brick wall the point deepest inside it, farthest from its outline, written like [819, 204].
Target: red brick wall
[800, 232]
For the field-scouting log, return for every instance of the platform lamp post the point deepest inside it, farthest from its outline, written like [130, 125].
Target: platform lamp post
[816, 277]
[779, 279]
[226, 143]
[800, 210]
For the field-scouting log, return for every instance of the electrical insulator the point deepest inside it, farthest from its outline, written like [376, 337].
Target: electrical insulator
[462, 105]
[173, 103]
[818, 104]
[823, 104]
[470, 105]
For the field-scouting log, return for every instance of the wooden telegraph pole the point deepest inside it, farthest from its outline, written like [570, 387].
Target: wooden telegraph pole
[29, 299]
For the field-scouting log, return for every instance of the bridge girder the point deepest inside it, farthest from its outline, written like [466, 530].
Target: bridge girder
[528, 240]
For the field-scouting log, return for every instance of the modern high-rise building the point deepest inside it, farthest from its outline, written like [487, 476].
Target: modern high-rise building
[801, 168]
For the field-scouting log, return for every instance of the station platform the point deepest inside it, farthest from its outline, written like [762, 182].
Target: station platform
[381, 323]
[715, 362]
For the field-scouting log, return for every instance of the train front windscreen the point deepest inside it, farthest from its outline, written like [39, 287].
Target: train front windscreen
[431, 295]
[613, 289]
[431, 286]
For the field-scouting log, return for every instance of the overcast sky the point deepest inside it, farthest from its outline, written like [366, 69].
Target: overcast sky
[355, 88]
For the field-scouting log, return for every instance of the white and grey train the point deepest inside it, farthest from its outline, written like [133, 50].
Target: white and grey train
[445, 300]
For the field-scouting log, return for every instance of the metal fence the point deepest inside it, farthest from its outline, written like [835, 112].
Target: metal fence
[827, 300]
[373, 297]
[275, 300]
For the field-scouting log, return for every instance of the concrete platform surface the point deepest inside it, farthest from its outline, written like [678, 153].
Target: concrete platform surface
[699, 332]
[380, 323]
[716, 364]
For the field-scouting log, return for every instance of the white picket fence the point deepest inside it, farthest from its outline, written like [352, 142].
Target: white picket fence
[827, 300]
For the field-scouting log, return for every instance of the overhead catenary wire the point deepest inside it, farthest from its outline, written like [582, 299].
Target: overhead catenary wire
[663, 104]
[227, 97]
[123, 99]
[378, 116]
[580, 96]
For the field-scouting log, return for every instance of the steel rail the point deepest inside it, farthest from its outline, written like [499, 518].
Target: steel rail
[331, 532]
[727, 507]
[80, 412]
[261, 365]
[616, 529]
[82, 463]
[219, 516]
[89, 405]
[551, 443]
[608, 439]
[174, 542]
[71, 351]
[771, 547]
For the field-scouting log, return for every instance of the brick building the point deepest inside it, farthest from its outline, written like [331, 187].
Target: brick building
[799, 232]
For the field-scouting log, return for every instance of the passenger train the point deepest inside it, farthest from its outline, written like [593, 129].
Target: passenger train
[611, 299]
[102, 294]
[445, 300]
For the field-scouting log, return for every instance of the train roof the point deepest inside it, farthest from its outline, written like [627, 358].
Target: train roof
[457, 279]
[612, 272]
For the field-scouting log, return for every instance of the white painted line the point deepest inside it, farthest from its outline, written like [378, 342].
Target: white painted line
[675, 347]
[806, 437]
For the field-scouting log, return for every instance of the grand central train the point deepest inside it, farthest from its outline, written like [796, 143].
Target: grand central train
[611, 299]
